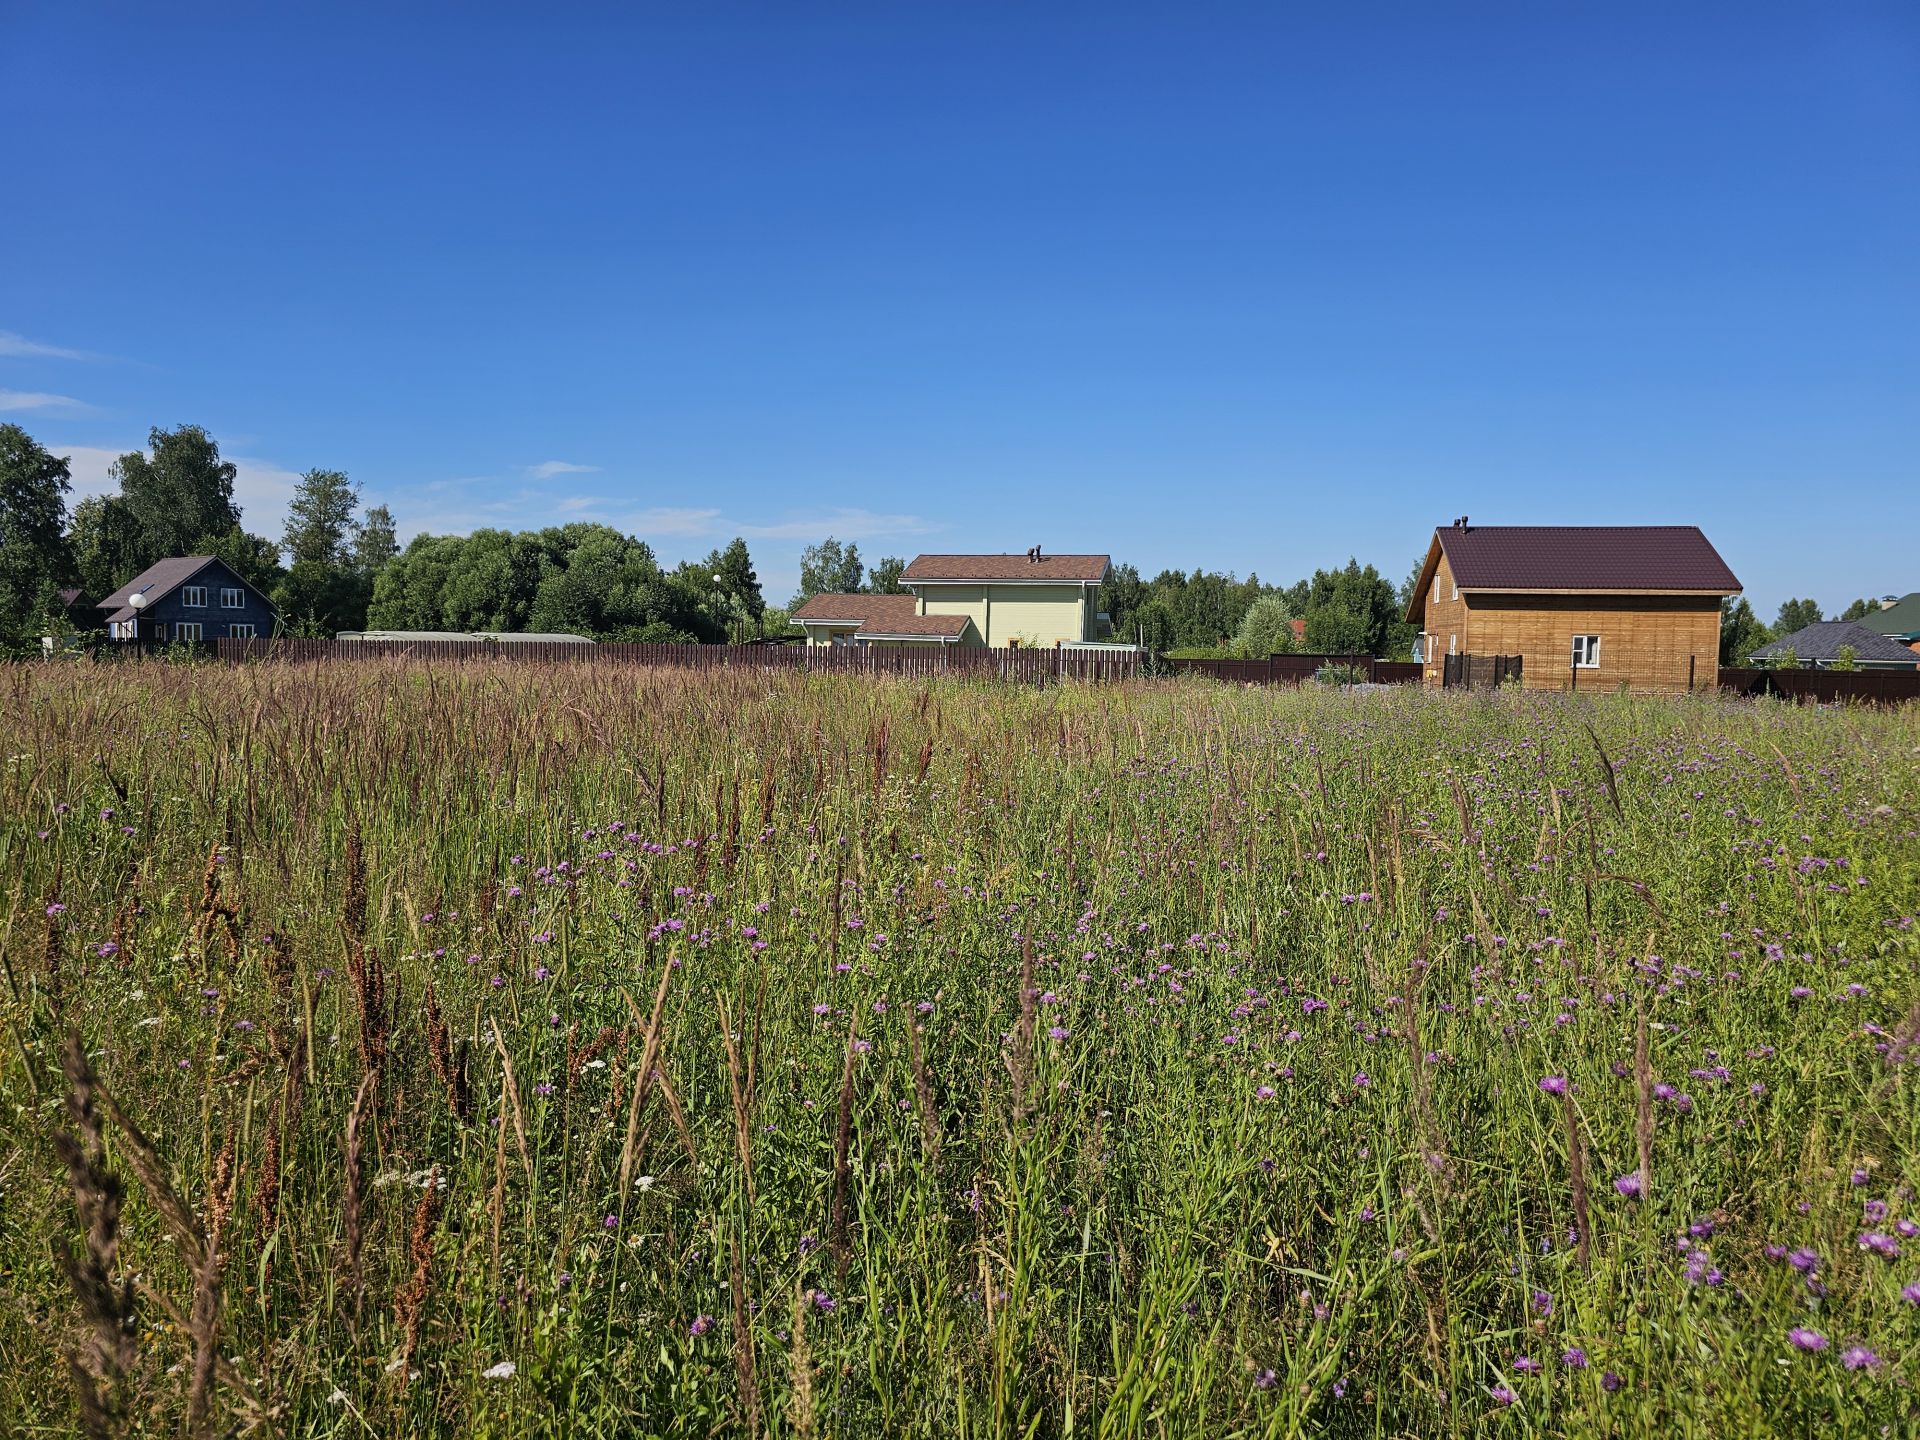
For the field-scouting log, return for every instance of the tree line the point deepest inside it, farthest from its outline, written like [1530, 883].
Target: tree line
[336, 566]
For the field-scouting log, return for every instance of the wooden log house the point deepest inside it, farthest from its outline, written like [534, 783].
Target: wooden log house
[1586, 606]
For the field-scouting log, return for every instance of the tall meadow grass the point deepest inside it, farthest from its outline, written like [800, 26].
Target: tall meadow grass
[503, 1050]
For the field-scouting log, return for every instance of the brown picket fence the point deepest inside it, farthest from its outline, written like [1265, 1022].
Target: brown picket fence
[1019, 666]
[1299, 669]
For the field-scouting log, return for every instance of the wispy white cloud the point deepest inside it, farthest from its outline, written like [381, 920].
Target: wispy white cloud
[547, 469]
[39, 400]
[842, 524]
[661, 520]
[19, 345]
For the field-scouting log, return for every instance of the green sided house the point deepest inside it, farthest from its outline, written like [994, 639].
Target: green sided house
[1030, 601]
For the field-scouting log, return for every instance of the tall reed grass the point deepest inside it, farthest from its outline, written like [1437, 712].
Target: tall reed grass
[575, 1051]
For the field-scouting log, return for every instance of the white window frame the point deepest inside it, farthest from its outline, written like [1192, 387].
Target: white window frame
[1453, 644]
[181, 627]
[1586, 652]
[187, 594]
[232, 597]
[1456, 589]
[238, 631]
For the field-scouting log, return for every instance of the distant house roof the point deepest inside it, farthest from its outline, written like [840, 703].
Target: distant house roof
[161, 578]
[1054, 569]
[1900, 618]
[915, 627]
[855, 609]
[1823, 640]
[1585, 557]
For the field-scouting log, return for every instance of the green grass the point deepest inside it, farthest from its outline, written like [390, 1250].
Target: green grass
[1156, 1198]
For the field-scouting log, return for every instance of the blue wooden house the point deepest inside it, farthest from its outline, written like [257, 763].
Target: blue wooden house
[193, 598]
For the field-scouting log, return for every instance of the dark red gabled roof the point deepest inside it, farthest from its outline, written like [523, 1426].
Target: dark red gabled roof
[1585, 557]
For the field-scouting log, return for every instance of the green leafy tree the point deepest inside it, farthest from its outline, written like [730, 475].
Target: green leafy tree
[1741, 632]
[1153, 626]
[734, 573]
[103, 544]
[1796, 615]
[1859, 610]
[35, 556]
[374, 541]
[1354, 611]
[1121, 596]
[178, 494]
[1266, 629]
[1846, 658]
[884, 578]
[828, 568]
[319, 519]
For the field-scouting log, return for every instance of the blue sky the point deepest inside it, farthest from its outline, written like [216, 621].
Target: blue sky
[1255, 288]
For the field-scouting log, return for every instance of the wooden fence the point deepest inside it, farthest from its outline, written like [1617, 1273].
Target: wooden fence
[1020, 666]
[1874, 687]
[1480, 672]
[1299, 669]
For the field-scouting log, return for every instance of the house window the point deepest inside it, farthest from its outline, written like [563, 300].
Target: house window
[187, 629]
[241, 632]
[194, 597]
[1453, 644]
[231, 599]
[1586, 652]
[1456, 589]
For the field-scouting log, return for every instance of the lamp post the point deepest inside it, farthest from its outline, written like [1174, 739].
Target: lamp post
[137, 602]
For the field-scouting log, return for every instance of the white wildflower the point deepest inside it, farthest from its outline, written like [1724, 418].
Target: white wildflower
[503, 1371]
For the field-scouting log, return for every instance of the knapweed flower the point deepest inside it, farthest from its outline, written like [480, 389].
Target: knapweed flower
[1610, 1382]
[1858, 1357]
[1554, 1084]
[1503, 1396]
[1805, 1261]
[1803, 1339]
[1885, 1246]
[1527, 1365]
[1911, 1293]
[1627, 1185]
[1264, 1379]
[1574, 1358]
[1362, 1080]
[612, 1222]
[1057, 1032]
[701, 1325]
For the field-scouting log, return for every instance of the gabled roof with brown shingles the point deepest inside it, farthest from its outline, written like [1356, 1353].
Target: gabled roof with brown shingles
[1585, 557]
[932, 627]
[1059, 569]
[856, 608]
[1577, 558]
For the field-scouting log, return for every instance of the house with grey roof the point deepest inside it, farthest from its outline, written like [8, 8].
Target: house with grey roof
[192, 599]
[1819, 646]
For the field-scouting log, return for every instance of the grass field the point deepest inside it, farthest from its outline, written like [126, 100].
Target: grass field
[593, 1052]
